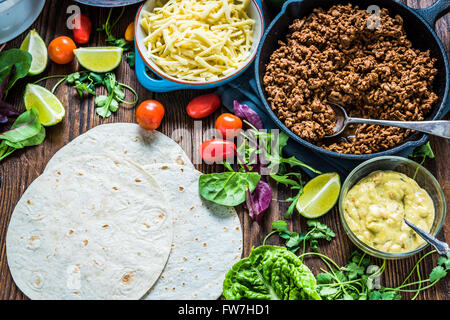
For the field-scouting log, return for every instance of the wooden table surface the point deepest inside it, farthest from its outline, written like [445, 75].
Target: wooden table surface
[21, 168]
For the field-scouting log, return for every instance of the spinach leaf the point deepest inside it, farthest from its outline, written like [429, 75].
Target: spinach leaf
[270, 273]
[25, 132]
[20, 60]
[228, 188]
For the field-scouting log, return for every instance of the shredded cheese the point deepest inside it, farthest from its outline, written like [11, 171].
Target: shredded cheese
[198, 40]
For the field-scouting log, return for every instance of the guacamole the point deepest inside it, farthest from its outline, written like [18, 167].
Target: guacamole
[374, 209]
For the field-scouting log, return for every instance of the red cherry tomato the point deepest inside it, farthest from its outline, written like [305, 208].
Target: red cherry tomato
[82, 28]
[228, 125]
[203, 106]
[217, 150]
[149, 114]
[61, 49]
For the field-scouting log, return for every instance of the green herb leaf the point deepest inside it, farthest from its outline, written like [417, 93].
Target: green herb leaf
[444, 261]
[324, 278]
[14, 57]
[320, 230]
[279, 225]
[228, 188]
[131, 59]
[437, 273]
[353, 270]
[423, 151]
[26, 131]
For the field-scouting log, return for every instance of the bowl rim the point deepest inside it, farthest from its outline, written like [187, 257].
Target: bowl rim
[155, 69]
[421, 139]
[365, 247]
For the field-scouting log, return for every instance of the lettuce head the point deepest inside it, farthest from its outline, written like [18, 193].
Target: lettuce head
[270, 273]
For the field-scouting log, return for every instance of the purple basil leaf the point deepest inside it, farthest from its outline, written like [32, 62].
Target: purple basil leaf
[5, 82]
[8, 110]
[244, 112]
[7, 115]
[258, 201]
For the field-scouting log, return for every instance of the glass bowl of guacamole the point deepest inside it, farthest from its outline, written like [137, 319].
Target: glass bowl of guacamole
[378, 194]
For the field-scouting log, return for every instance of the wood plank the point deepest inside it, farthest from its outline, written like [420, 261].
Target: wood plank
[20, 169]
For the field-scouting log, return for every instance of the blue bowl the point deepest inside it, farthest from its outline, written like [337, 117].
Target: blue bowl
[108, 3]
[164, 82]
[418, 26]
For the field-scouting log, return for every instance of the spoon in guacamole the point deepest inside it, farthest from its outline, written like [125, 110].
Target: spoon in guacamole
[440, 246]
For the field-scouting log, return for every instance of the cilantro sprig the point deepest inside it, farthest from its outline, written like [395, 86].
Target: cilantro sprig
[294, 240]
[86, 83]
[108, 27]
[423, 152]
[360, 278]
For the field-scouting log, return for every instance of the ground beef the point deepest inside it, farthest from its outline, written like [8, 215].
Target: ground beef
[373, 73]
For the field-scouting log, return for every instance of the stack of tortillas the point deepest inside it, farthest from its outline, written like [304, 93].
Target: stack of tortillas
[117, 215]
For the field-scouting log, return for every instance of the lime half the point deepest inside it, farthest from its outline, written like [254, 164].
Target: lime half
[34, 44]
[50, 109]
[319, 195]
[99, 59]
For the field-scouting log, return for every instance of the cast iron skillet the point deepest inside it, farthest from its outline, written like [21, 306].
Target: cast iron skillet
[418, 24]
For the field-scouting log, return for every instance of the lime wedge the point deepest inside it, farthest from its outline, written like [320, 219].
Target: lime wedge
[35, 46]
[99, 59]
[50, 109]
[319, 195]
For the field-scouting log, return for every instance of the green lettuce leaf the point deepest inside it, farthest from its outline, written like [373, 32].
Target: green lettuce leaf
[270, 273]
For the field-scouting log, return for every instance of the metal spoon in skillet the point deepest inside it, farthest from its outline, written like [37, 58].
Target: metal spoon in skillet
[440, 128]
[440, 246]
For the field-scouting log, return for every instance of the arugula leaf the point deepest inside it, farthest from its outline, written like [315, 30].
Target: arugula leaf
[228, 188]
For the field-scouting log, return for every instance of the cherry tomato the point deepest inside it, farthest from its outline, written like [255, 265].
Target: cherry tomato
[228, 125]
[61, 49]
[129, 32]
[82, 29]
[149, 114]
[203, 106]
[217, 150]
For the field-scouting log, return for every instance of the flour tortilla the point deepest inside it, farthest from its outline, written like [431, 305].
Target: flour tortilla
[207, 239]
[127, 140]
[96, 227]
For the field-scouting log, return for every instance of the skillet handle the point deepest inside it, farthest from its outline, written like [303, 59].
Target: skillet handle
[434, 12]
[151, 84]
